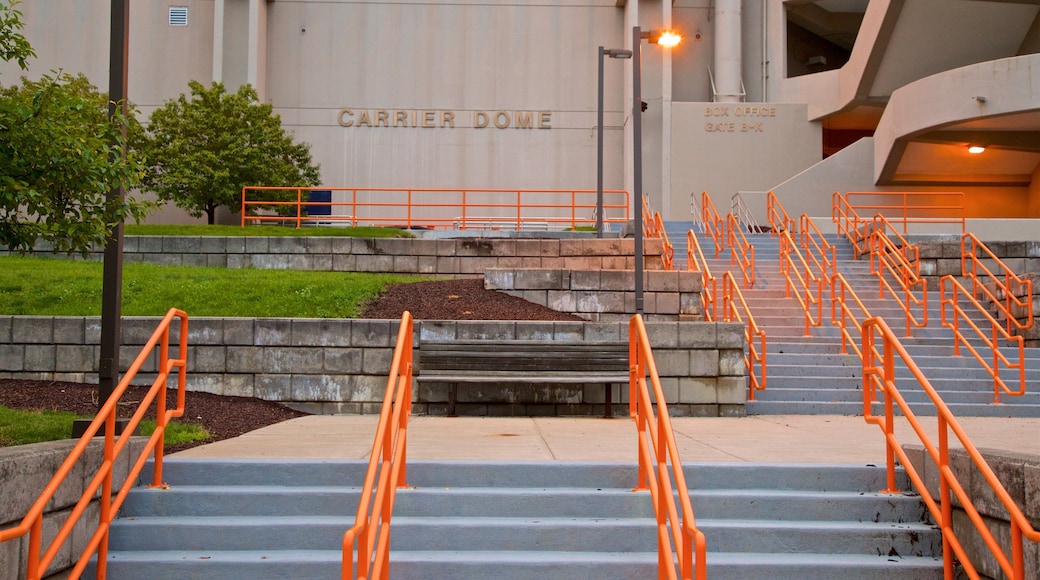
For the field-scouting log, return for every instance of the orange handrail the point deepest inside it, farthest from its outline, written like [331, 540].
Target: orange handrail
[889, 262]
[653, 227]
[439, 207]
[733, 304]
[713, 223]
[1004, 281]
[991, 339]
[818, 251]
[777, 216]
[656, 448]
[950, 210]
[695, 262]
[879, 377]
[388, 462]
[809, 286]
[842, 299]
[851, 225]
[739, 247]
[32, 523]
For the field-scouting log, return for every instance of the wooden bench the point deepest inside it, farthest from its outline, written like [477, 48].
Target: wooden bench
[523, 361]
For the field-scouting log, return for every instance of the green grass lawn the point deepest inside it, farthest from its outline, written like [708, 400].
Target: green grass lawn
[284, 231]
[55, 287]
[23, 427]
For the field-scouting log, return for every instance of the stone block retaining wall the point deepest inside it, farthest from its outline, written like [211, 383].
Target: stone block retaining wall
[1019, 474]
[453, 257]
[25, 470]
[603, 295]
[341, 365]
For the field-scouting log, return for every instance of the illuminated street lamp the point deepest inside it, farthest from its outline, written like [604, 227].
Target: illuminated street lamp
[612, 53]
[667, 39]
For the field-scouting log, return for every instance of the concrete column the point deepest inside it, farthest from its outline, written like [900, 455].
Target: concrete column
[727, 52]
[218, 40]
[256, 67]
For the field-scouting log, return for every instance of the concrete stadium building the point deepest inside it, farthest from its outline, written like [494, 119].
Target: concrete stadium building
[801, 97]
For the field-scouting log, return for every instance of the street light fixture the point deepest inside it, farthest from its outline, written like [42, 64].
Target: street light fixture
[667, 39]
[612, 53]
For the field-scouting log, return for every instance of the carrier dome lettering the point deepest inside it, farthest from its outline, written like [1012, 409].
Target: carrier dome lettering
[443, 119]
[718, 118]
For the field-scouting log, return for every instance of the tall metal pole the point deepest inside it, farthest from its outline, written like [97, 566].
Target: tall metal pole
[599, 152]
[112, 288]
[637, 162]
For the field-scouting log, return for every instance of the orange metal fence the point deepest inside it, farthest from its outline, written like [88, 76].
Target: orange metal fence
[735, 309]
[879, 378]
[713, 224]
[957, 319]
[898, 276]
[1011, 294]
[685, 547]
[32, 523]
[777, 216]
[798, 276]
[387, 462]
[847, 313]
[911, 207]
[653, 227]
[434, 208]
[742, 253]
[821, 254]
[695, 262]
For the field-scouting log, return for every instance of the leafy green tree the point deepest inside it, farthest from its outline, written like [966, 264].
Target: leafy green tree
[203, 149]
[60, 154]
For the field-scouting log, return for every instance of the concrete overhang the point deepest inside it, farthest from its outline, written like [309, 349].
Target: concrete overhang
[927, 126]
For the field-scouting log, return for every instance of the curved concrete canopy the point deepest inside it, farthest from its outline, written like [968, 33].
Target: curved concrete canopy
[924, 133]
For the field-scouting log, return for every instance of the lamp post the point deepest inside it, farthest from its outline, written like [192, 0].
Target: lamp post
[667, 39]
[612, 53]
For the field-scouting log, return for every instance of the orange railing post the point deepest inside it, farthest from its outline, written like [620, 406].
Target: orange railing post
[101, 482]
[387, 469]
[733, 304]
[685, 547]
[880, 378]
[695, 262]
[1017, 292]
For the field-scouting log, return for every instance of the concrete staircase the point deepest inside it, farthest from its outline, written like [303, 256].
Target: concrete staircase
[810, 375]
[462, 520]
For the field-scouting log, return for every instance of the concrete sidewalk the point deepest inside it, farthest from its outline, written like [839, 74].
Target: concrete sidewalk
[763, 438]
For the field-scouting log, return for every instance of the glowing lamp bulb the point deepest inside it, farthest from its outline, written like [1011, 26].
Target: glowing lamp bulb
[976, 149]
[669, 39]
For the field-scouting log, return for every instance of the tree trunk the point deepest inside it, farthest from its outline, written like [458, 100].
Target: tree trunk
[211, 213]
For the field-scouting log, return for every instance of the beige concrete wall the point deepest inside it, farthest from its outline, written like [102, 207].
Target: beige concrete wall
[729, 147]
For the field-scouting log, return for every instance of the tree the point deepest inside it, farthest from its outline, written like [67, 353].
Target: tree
[60, 154]
[204, 149]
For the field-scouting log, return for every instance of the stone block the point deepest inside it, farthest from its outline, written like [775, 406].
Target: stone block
[477, 265]
[319, 387]
[571, 247]
[599, 301]
[663, 281]
[434, 330]
[617, 280]
[5, 328]
[320, 332]
[568, 331]
[369, 332]
[243, 359]
[499, 279]
[673, 363]
[539, 279]
[487, 330]
[585, 280]
[406, 264]
[344, 360]
[473, 247]
[238, 385]
[238, 261]
[194, 260]
[272, 331]
[181, 245]
[528, 247]
[615, 263]
[344, 263]
[235, 244]
[272, 387]
[704, 362]
[667, 303]
[698, 391]
[731, 390]
[670, 389]
[697, 335]
[209, 359]
[376, 361]
[730, 335]
[292, 360]
[67, 330]
[433, 392]
[208, 331]
[731, 363]
[426, 265]
[739, 410]
[39, 357]
[662, 334]
[374, 263]
[12, 357]
[32, 329]
[366, 389]
[690, 282]
[604, 331]
[74, 358]
[558, 300]
[1009, 471]
[534, 330]
[236, 331]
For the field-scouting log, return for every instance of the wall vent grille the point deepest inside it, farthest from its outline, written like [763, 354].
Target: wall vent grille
[178, 15]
